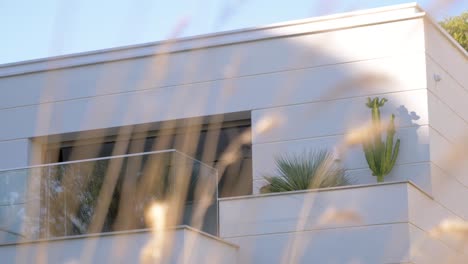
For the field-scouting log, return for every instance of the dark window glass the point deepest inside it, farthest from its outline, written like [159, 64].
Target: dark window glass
[235, 179]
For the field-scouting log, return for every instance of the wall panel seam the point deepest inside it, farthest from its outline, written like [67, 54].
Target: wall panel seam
[439, 240]
[446, 72]
[440, 134]
[317, 229]
[339, 99]
[424, 162]
[448, 106]
[402, 55]
[327, 136]
[449, 175]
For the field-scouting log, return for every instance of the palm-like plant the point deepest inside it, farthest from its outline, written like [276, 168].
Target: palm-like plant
[310, 170]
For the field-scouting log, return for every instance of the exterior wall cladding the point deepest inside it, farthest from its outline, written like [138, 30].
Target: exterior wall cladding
[312, 78]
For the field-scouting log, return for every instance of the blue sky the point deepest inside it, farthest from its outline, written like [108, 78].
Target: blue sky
[36, 29]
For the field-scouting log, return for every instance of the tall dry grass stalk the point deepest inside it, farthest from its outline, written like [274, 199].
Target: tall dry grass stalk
[136, 192]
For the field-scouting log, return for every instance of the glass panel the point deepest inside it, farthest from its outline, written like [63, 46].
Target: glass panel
[107, 194]
[19, 205]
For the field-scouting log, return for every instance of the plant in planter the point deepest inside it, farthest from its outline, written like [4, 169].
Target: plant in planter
[310, 170]
[380, 156]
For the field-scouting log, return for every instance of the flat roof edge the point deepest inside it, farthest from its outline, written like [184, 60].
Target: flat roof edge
[278, 30]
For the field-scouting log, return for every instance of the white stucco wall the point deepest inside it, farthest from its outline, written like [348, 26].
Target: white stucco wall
[325, 124]
[389, 223]
[448, 118]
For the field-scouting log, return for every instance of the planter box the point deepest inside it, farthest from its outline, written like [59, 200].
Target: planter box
[378, 223]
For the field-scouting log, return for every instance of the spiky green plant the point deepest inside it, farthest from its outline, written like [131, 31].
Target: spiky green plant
[380, 156]
[310, 170]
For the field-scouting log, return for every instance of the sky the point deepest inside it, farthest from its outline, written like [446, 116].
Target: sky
[34, 29]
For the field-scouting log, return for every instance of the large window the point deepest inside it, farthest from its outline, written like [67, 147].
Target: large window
[209, 144]
[217, 145]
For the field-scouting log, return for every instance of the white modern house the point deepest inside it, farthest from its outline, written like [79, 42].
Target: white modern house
[223, 106]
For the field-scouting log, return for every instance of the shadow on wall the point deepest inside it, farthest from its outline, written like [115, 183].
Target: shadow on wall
[347, 148]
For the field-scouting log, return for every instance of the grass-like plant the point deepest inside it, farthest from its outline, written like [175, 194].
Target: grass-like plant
[309, 170]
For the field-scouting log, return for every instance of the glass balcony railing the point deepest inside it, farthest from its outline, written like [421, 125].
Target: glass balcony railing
[106, 195]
